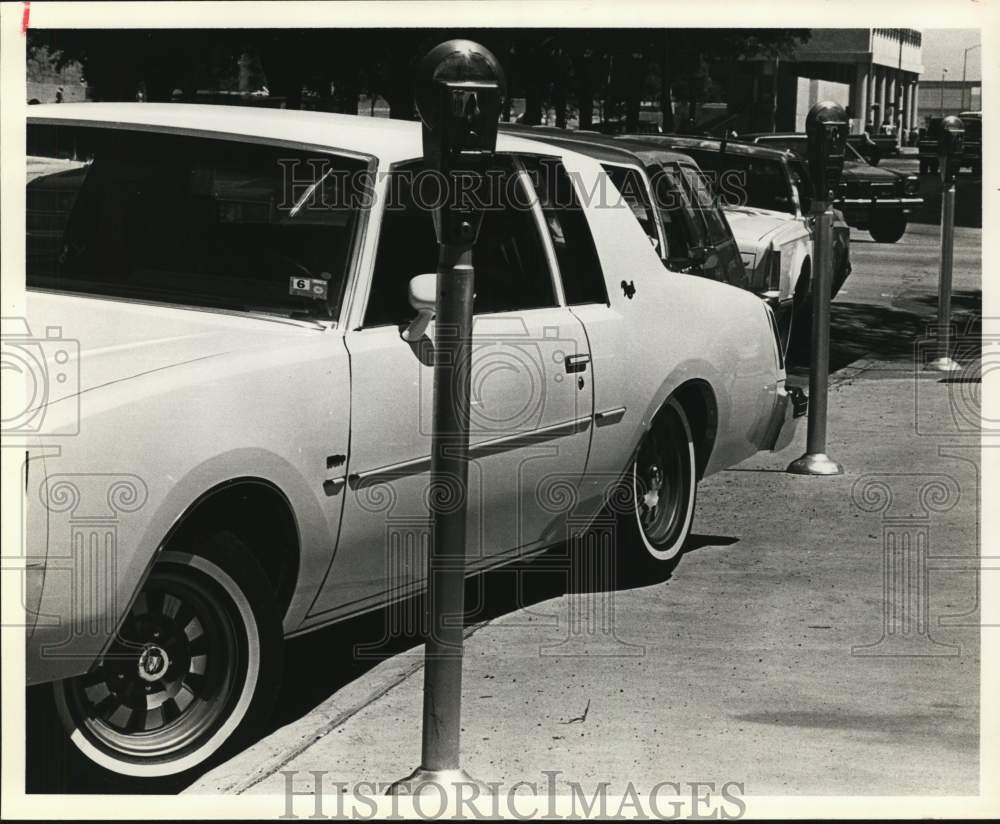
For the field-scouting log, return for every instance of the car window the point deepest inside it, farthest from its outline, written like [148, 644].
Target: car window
[189, 220]
[511, 270]
[767, 185]
[633, 189]
[800, 180]
[673, 202]
[576, 253]
[706, 204]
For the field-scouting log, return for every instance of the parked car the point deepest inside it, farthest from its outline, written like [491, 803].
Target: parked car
[876, 199]
[765, 197]
[250, 446]
[665, 192]
[972, 154]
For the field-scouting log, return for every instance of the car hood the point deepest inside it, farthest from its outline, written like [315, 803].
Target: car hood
[86, 343]
[752, 224]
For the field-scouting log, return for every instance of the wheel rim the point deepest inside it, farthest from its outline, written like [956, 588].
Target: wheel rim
[170, 679]
[660, 484]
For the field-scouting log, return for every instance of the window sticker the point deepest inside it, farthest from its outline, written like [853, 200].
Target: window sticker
[307, 287]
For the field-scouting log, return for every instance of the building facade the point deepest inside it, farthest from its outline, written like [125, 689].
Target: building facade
[946, 97]
[874, 73]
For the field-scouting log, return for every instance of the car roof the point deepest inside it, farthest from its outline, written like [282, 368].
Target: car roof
[684, 143]
[598, 146]
[388, 140]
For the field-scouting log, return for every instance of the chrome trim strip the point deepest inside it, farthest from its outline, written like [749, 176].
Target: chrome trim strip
[333, 485]
[543, 230]
[609, 416]
[479, 450]
[882, 201]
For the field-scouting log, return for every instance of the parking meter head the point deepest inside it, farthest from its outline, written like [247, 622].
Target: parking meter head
[826, 134]
[458, 94]
[459, 89]
[951, 144]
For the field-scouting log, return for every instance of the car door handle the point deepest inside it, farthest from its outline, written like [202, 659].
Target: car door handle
[577, 363]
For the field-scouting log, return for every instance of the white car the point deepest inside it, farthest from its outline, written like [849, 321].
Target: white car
[765, 194]
[235, 441]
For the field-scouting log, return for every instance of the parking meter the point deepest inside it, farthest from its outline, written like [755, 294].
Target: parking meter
[951, 145]
[459, 90]
[826, 135]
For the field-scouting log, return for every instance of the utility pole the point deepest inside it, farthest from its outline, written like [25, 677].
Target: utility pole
[965, 63]
[897, 114]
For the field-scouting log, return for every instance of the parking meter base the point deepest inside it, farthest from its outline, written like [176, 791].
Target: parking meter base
[450, 783]
[815, 463]
[943, 365]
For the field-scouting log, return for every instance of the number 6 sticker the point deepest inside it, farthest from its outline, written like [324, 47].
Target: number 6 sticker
[314, 288]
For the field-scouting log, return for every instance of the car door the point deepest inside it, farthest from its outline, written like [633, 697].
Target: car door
[530, 406]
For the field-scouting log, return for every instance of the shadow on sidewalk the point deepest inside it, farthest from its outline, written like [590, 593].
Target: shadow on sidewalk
[892, 333]
[340, 654]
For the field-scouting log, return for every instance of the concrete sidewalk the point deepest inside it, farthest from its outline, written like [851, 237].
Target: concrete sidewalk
[739, 667]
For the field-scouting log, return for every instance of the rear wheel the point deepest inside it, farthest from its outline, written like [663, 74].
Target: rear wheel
[663, 479]
[887, 228]
[194, 667]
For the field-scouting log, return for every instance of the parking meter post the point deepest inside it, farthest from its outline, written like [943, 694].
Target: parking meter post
[458, 92]
[448, 494]
[950, 148]
[826, 127]
[819, 372]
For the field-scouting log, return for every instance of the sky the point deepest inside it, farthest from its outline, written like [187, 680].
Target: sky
[943, 48]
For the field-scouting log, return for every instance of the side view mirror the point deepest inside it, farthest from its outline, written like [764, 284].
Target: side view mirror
[423, 298]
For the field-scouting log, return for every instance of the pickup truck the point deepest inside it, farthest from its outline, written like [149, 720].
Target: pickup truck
[879, 200]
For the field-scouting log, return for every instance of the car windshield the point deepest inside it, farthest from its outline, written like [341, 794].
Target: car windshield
[189, 220]
[742, 180]
[790, 142]
[973, 128]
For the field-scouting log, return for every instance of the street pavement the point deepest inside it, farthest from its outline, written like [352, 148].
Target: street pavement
[765, 657]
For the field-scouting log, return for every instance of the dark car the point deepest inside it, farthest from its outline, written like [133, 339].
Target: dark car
[972, 155]
[679, 216]
[879, 200]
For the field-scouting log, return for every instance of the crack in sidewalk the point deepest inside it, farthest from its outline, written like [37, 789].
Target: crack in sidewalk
[293, 752]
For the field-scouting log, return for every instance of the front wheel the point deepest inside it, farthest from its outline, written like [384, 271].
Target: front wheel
[887, 228]
[663, 479]
[194, 667]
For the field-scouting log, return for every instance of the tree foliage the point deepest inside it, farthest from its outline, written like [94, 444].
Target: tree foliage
[573, 72]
